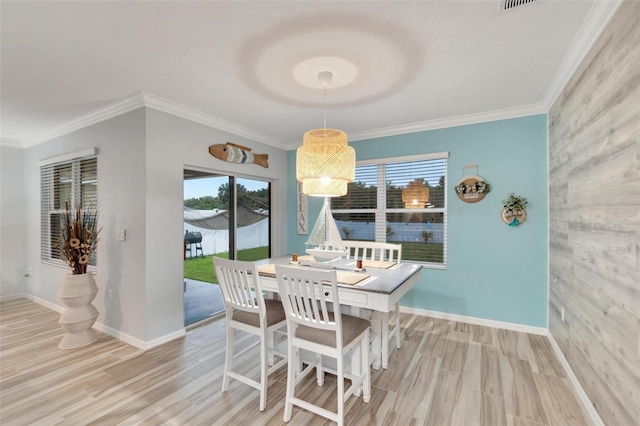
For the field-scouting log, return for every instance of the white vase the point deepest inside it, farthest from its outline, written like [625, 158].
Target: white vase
[76, 293]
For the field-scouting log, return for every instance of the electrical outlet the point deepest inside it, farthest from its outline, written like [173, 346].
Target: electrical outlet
[122, 235]
[110, 294]
[562, 314]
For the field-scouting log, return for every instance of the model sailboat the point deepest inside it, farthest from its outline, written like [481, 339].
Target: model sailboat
[325, 242]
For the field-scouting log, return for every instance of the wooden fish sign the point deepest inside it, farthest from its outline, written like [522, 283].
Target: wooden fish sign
[238, 154]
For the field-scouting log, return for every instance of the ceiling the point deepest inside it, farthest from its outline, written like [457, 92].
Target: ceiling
[398, 66]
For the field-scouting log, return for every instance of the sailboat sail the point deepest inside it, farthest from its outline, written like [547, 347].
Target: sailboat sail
[325, 241]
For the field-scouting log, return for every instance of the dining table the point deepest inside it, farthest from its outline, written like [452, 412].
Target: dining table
[376, 287]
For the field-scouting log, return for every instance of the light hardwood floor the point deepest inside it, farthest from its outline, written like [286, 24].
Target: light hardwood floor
[446, 373]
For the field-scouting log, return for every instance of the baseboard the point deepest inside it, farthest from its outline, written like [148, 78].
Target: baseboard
[582, 395]
[124, 337]
[45, 303]
[475, 321]
[13, 297]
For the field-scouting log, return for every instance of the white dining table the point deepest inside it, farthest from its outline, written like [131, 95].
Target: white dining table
[378, 291]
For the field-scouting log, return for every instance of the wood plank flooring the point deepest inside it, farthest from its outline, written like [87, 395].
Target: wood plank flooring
[446, 373]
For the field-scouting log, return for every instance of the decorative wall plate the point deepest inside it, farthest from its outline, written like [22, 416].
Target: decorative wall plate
[472, 188]
[513, 218]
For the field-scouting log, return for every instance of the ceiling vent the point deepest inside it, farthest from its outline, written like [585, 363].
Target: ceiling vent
[512, 4]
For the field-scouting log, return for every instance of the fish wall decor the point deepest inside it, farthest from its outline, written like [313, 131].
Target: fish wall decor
[234, 153]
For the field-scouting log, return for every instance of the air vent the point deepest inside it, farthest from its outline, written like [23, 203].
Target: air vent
[511, 4]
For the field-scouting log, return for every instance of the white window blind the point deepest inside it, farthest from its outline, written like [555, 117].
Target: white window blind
[382, 205]
[72, 180]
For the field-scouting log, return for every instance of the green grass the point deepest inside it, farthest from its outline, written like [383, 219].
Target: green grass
[421, 252]
[201, 269]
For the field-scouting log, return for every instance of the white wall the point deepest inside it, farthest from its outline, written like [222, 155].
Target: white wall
[13, 261]
[121, 199]
[141, 157]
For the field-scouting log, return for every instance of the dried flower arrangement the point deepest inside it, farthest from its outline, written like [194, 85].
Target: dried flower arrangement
[78, 237]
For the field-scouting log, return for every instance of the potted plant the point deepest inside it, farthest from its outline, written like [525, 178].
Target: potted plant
[514, 209]
[78, 241]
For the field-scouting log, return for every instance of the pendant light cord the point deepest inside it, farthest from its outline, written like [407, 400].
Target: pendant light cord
[325, 107]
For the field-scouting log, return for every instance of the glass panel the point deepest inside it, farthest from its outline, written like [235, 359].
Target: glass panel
[361, 194]
[89, 183]
[62, 185]
[420, 182]
[421, 235]
[253, 207]
[356, 226]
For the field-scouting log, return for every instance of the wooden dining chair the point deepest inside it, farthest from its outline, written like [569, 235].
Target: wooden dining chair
[247, 310]
[372, 250]
[305, 295]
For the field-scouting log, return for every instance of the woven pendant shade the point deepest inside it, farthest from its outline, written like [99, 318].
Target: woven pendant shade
[415, 195]
[325, 163]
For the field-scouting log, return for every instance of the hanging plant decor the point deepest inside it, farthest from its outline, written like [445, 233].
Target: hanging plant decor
[513, 210]
[472, 188]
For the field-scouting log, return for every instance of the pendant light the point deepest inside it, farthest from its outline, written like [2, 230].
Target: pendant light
[325, 163]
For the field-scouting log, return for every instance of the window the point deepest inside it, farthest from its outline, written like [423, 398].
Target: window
[401, 201]
[70, 178]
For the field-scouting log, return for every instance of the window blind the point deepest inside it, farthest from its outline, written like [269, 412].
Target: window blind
[74, 181]
[400, 201]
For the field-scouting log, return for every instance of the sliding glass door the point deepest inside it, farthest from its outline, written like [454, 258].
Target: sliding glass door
[224, 216]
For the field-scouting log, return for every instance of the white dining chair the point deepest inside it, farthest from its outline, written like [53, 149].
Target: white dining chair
[247, 310]
[372, 250]
[305, 295]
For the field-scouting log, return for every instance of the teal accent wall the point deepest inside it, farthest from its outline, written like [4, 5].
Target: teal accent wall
[494, 271]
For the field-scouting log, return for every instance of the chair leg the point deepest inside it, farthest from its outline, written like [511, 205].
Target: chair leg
[271, 344]
[228, 359]
[340, 379]
[319, 370]
[291, 380]
[263, 370]
[398, 337]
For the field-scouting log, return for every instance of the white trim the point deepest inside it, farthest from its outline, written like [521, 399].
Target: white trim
[548, 226]
[114, 109]
[11, 143]
[13, 297]
[57, 308]
[582, 395]
[404, 159]
[475, 321]
[595, 22]
[442, 123]
[89, 152]
[174, 108]
[134, 341]
[124, 337]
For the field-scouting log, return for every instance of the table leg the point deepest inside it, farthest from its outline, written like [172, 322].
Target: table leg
[384, 338]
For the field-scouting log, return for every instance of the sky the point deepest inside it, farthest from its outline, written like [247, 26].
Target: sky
[196, 188]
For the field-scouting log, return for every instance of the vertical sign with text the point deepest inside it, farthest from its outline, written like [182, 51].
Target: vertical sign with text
[302, 210]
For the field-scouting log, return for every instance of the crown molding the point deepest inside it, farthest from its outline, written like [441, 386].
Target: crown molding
[11, 143]
[596, 21]
[111, 110]
[174, 108]
[143, 99]
[443, 123]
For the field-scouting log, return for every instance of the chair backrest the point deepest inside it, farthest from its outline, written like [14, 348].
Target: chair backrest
[371, 250]
[305, 294]
[240, 285]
